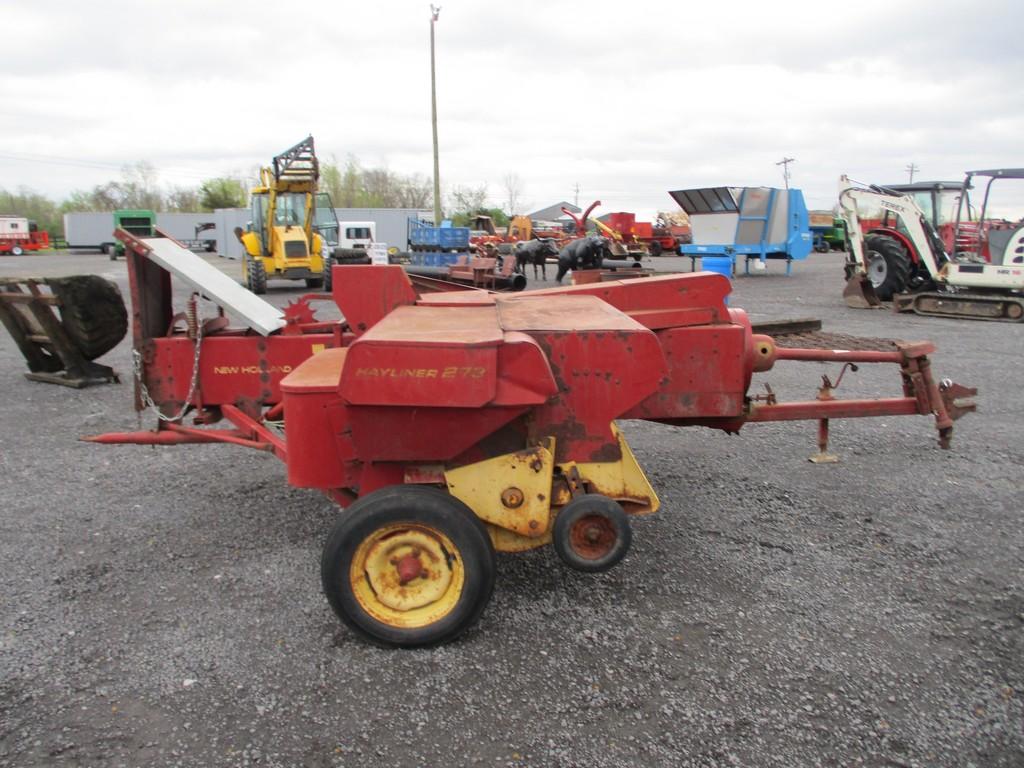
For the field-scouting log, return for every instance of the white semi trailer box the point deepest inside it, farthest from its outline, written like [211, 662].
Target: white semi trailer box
[90, 230]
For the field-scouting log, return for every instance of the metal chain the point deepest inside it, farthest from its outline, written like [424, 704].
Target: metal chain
[144, 391]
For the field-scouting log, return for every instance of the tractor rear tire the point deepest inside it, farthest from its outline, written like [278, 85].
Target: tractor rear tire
[591, 533]
[92, 313]
[328, 280]
[255, 275]
[407, 566]
[888, 265]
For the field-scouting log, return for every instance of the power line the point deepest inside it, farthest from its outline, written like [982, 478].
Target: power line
[189, 173]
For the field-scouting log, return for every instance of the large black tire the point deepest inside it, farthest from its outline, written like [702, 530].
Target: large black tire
[315, 282]
[92, 312]
[368, 554]
[888, 265]
[351, 256]
[591, 533]
[255, 275]
[328, 275]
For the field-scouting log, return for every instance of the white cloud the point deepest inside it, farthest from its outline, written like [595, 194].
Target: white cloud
[627, 99]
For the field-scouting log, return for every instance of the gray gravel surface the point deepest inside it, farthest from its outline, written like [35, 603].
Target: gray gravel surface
[163, 607]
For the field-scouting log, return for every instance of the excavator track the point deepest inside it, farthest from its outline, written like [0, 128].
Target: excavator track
[976, 306]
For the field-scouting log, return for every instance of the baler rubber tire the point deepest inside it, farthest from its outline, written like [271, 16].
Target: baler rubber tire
[255, 275]
[419, 509]
[92, 313]
[606, 513]
[897, 264]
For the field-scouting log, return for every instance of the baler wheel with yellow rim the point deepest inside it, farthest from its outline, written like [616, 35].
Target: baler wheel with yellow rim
[408, 566]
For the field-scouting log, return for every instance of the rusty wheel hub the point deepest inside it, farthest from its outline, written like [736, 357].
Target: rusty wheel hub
[593, 536]
[402, 571]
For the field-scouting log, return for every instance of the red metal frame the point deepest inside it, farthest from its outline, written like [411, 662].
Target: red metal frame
[410, 382]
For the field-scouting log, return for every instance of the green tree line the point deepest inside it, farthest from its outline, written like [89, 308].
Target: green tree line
[349, 184]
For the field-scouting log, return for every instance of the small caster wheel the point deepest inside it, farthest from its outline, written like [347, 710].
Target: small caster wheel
[592, 533]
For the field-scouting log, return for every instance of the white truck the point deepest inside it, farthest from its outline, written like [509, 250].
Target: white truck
[354, 240]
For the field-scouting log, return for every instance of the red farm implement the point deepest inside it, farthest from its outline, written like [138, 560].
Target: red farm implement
[451, 425]
[18, 235]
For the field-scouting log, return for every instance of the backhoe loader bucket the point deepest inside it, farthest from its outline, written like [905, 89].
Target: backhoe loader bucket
[859, 293]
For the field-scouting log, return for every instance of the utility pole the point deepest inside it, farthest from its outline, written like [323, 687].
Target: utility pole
[912, 169]
[434, 13]
[576, 202]
[784, 162]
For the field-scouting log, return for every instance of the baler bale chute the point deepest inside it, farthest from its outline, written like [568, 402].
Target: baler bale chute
[453, 425]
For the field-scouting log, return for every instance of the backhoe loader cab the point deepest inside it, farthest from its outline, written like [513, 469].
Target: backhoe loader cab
[288, 236]
[325, 221]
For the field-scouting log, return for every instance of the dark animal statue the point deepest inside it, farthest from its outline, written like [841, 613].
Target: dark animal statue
[585, 253]
[535, 252]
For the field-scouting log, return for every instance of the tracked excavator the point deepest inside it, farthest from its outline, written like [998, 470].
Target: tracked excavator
[962, 284]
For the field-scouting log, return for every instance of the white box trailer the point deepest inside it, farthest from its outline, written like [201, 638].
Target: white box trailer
[93, 231]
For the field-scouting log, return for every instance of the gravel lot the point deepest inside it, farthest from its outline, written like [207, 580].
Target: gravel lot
[163, 606]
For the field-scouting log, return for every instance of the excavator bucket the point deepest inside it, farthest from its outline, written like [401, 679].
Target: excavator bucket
[859, 293]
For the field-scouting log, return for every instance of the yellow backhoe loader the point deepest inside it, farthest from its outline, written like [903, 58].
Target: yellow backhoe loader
[287, 237]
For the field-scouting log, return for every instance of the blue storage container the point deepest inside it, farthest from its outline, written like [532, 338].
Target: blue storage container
[719, 264]
[454, 238]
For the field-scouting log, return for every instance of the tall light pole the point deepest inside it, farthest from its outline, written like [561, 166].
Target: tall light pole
[784, 162]
[434, 13]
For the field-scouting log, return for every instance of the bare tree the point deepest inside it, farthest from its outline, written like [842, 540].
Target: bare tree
[379, 185]
[416, 192]
[467, 199]
[183, 200]
[139, 187]
[513, 193]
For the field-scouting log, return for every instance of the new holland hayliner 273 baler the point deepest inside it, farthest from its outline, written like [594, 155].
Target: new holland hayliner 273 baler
[450, 425]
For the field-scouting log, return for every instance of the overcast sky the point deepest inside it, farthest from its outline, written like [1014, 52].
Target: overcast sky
[625, 99]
